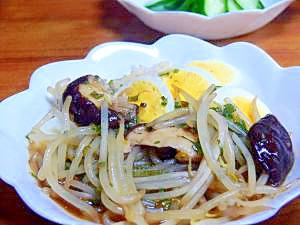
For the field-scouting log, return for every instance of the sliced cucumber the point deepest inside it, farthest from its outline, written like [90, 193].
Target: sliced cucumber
[231, 6]
[214, 7]
[173, 5]
[198, 6]
[159, 5]
[187, 5]
[260, 5]
[247, 4]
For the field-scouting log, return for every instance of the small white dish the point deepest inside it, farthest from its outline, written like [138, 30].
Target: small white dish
[277, 87]
[223, 26]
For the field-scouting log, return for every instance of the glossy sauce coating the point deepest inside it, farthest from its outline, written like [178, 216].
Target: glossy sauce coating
[83, 111]
[271, 147]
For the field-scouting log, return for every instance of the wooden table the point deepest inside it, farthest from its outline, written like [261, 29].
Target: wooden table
[35, 32]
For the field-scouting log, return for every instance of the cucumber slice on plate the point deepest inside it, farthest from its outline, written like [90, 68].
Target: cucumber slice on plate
[260, 5]
[247, 4]
[214, 7]
[173, 5]
[231, 6]
[160, 5]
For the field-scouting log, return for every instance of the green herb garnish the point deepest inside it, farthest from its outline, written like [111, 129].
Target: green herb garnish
[242, 124]
[27, 137]
[147, 173]
[228, 111]
[197, 147]
[86, 149]
[164, 101]
[181, 104]
[217, 109]
[96, 95]
[146, 165]
[133, 98]
[163, 74]
[177, 105]
[96, 128]
[98, 190]
[67, 165]
[110, 83]
[33, 175]
[156, 142]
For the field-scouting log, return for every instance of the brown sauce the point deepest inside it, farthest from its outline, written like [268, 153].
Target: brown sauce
[39, 149]
[79, 214]
[72, 209]
[69, 208]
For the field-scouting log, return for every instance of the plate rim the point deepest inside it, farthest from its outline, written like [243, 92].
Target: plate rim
[155, 45]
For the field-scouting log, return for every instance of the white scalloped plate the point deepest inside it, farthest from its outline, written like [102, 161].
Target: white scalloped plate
[277, 87]
[226, 25]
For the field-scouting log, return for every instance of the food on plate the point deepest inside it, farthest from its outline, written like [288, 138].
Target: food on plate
[205, 7]
[272, 147]
[159, 146]
[85, 96]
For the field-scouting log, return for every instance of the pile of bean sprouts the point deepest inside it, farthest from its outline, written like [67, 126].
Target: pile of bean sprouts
[79, 164]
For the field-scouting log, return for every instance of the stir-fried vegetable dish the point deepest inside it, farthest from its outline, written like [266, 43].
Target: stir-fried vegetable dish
[148, 148]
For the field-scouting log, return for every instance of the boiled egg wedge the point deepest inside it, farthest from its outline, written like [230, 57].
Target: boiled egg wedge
[150, 94]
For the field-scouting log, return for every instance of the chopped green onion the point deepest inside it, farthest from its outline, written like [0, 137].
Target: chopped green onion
[147, 173]
[27, 137]
[177, 105]
[197, 147]
[67, 165]
[96, 95]
[33, 175]
[164, 101]
[96, 128]
[228, 111]
[163, 74]
[101, 163]
[86, 149]
[133, 98]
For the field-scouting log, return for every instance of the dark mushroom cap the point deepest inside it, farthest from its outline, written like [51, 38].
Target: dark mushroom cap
[271, 147]
[83, 111]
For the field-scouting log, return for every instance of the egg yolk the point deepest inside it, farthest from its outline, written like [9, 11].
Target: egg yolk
[147, 96]
[220, 71]
[190, 82]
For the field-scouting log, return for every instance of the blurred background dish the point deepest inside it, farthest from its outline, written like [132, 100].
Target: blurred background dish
[225, 25]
